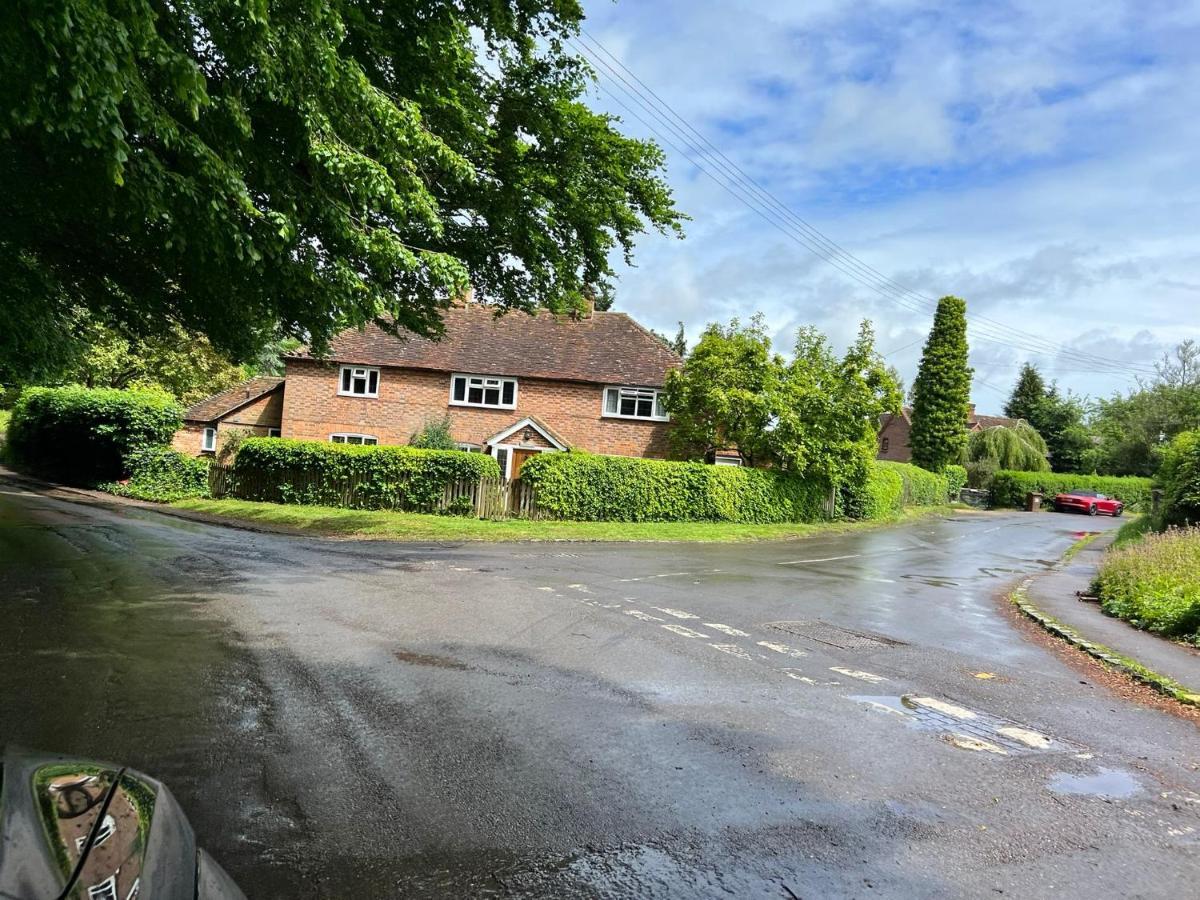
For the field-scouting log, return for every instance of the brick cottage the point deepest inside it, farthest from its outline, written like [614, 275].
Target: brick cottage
[510, 385]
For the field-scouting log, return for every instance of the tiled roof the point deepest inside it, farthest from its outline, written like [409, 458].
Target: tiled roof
[227, 401]
[988, 421]
[605, 348]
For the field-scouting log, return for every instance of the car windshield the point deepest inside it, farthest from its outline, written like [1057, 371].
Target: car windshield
[1085, 494]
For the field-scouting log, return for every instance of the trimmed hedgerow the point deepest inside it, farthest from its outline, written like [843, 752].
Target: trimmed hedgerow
[956, 480]
[588, 487]
[883, 493]
[920, 486]
[163, 475]
[84, 435]
[1009, 488]
[1179, 476]
[357, 477]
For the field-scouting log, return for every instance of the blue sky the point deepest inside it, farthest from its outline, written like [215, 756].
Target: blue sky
[1041, 160]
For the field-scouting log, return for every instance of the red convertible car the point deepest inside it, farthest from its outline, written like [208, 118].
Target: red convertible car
[1089, 502]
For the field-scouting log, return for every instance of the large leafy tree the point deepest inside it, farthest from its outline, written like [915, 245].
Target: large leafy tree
[1058, 418]
[942, 391]
[231, 167]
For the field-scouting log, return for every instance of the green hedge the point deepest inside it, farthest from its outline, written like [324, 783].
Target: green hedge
[82, 435]
[1009, 488]
[587, 487]
[1179, 476]
[163, 475]
[884, 493]
[324, 474]
[956, 480]
[920, 487]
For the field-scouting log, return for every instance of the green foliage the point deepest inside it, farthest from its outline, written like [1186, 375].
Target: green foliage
[1010, 488]
[162, 475]
[677, 344]
[956, 480]
[230, 167]
[1180, 480]
[814, 418]
[1154, 583]
[231, 443]
[358, 477]
[942, 391]
[82, 436]
[980, 473]
[725, 394]
[1134, 428]
[881, 496]
[434, 435]
[921, 487]
[1018, 448]
[1028, 392]
[588, 487]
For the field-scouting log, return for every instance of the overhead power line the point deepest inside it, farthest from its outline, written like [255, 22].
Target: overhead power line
[731, 178]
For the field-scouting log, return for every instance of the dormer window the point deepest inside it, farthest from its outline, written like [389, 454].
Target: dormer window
[359, 381]
[482, 390]
[634, 403]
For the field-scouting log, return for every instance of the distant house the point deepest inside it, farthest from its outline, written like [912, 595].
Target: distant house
[894, 431]
[253, 407]
[511, 386]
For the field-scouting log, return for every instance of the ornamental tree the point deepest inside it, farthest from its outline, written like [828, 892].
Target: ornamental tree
[233, 168]
[1028, 392]
[942, 391]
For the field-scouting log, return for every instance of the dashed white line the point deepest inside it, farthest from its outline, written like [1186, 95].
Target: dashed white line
[800, 562]
[662, 575]
[677, 613]
[645, 617]
[855, 673]
[941, 706]
[783, 648]
[798, 675]
[733, 650]
[727, 629]
[582, 588]
[686, 632]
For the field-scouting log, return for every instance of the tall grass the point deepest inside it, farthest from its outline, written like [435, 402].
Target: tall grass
[1154, 583]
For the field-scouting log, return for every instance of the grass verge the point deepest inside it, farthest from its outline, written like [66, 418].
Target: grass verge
[1079, 545]
[1131, 667]
[378, 524]
[1154, 583]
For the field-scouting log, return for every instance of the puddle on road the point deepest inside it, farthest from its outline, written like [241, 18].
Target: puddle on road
[968, 729]
[1111, 784]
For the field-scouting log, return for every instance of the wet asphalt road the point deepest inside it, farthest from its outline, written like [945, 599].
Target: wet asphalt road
[568, 720]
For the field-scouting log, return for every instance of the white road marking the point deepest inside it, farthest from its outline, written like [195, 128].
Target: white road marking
[801, 562]
[677, 613]
[948, 708]
[663, 575]
[1025, 736]
[733, 650]
[546, 587]
[727, 629]
[783, 648]
[861, 676]
[798, 675]
[964, 742]
[645, 617]
[582, 588]
[686, 632]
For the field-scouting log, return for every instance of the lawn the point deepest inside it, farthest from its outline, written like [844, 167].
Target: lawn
[1154, 583]
[354, 523]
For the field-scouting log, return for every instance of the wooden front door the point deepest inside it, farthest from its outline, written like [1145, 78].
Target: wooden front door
[518, 460]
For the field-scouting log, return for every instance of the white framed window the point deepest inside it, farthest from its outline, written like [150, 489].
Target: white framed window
[208, 441]
[469, 448]
[359, 381]
[483, 390]
[634, 403]
[502, 455]
[273, 432]
[727, 461]
[345, 437]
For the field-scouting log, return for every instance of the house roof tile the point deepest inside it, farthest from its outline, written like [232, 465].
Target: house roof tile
[219, 405]
[605, 348]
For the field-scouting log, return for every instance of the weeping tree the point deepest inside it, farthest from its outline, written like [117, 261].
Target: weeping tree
[1018, 447]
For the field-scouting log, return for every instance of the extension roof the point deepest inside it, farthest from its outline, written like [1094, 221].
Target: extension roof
[220, 405]
[605, 347]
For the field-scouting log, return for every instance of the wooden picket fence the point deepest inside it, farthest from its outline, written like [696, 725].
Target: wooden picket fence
[484, 498]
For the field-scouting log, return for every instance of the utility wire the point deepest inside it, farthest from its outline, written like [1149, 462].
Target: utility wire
[754, 195]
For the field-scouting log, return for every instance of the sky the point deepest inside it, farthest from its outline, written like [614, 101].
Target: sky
[1039, 159]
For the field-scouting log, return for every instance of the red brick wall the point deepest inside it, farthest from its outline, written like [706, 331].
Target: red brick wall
[187, 439]
[255, 418]
[408, 398]
[894, 433]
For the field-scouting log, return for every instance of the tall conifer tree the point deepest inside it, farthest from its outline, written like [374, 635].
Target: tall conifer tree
[942, 391]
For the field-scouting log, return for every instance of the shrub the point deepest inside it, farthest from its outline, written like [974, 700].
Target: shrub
[1154, 583]
[162, 475]
[434, 435]
[1010, 488]
[82, 435]
[1179, 476]
[1017, 447]
[359, 477]
[980, 474]
[587, 487]
[956, 480]
[920, 487]
[884, 493]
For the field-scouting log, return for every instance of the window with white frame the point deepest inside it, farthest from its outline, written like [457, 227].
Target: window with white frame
[727, 461]
[634, 403]
[208, 441]
[481, 390]
[358, 381]
[501, 454]
[273, 432]
[348, 438]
